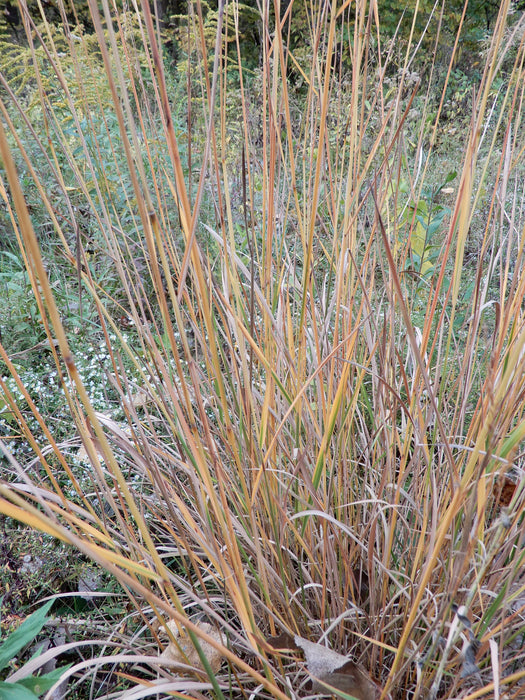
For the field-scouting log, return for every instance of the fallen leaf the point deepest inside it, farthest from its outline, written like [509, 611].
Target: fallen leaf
[282, 642]
[331, 670]
[470, 649]
[141, 398]
[504, 489]
[183, 651]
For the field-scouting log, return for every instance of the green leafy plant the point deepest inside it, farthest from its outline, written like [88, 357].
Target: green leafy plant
[21, 324]
[28, 686]
[425, 219]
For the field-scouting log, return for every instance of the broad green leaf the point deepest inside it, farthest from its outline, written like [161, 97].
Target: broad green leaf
[27, 631]
[41, 684]
[15, 691]
[418, 240]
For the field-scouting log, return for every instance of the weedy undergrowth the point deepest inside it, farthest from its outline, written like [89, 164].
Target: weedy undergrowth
[315, 434]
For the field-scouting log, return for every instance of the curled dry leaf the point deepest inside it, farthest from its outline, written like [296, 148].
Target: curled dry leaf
[140, 398]
[470, 649]
[331, 671]
[184, 652]
[504, 490]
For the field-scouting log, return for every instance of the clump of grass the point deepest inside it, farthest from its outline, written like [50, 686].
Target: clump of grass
[319, 405]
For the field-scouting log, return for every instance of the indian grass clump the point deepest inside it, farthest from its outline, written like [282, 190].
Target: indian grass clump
[314, 426]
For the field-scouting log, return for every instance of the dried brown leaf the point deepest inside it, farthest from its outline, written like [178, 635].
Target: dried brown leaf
[183, 651]
[333, 671]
